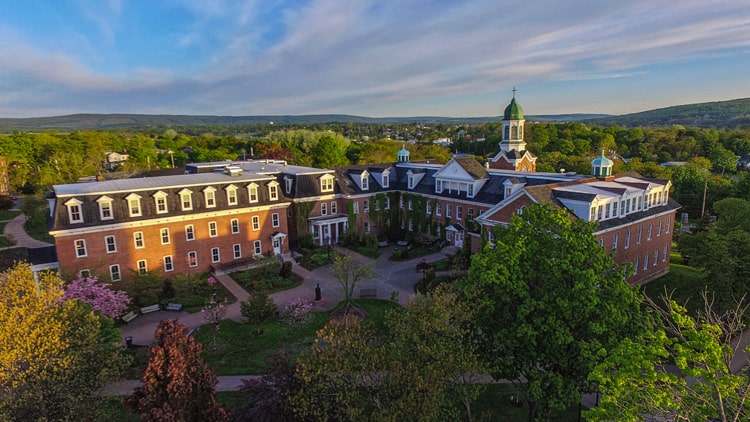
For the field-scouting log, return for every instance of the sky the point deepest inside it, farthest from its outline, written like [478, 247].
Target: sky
[381, 58]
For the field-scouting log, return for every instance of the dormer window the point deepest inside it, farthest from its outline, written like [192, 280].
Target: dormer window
[134, 205]
[326, 183]
[365, 178]
[273, 191]
[411, 181]
[385, 178]
[252, 192]
[105, 208]
[209, 194]
[160, 201]
[74, 211]
[231, 194]
[438, 186]
[288, 184]
[186, 199]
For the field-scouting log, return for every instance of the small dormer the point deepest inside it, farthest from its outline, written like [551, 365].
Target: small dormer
[413, 177]
[326, 183]
[511, 186]
[361, 178]
[601, 166]
[385, 178]
[288, 185]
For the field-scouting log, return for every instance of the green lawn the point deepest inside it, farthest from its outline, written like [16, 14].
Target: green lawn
[685, 282]
[5, 242]
[8, 214]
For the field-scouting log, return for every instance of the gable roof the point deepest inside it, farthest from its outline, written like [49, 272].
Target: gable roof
[472, 167]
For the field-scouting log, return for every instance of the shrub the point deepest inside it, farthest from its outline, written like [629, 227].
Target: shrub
[286, 269]
[297, 312]
[258, 309]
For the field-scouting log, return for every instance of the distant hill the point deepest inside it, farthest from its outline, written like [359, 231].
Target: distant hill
[720, 114]
[123, 121]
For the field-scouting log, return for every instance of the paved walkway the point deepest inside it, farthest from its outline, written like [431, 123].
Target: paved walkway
[14, 229]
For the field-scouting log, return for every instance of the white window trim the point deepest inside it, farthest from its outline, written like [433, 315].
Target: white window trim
[135, 240]
[85, 249]
[169, 259]
[112, 273]
[161, 236]
[142, 270]
[74, 203]
[114, 243]
[237, 251]
[215, 255]
[273, 191]
[326, 183]
[209, 195]
[213, 229]
[234, 226]
[163, 196]
[108, 201]
[257, 248]
[334, 207]
[232, 193]
[187, 232]
[255, 223]
[252, 191]
[134, 198]
[275, 220]
[192, 264]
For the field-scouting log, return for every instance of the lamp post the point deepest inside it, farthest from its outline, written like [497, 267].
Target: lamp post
[171, 155]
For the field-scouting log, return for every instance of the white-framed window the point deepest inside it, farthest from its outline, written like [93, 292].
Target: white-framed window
[114, 272]
[409, 204]
[438, 209]
[164, 234]
[665, 253]
[601, 243]
[105, 208]
[650, 229]
[592, 217]
[645, 262]
[160, 201]
[138, 240]
[213, 230]
[334, 207]
[615, 240]
[627, 239]
[189, 232]
[209, 195]
[234, 225]
[75, 214]
[386, 179]
[367, 227]
[669, 224]
[255, 220]
[519, 211]
[470, 190]
[410, 181]
[470, 214]
[273, 191]
[275, 220]
[428, 208]
[215, 257]
[356, 207]
[640, 235]
[622, 208]
[326, 183]
[237, 249]
[438, 186]
[186, 199]
[231, 195]
[366, 205]
[607, 209]
[323, 209]
[387, 202]
[252, 192]
[635, 264]
[142, 267]
[365, 178]
[192, 257]
[448, 210]
[459, 212]
[80, 246]
[110, 243]
[168, 264]
[658, 228]
[656, 257]
[288, 185]
[134, 205]
[257, 250]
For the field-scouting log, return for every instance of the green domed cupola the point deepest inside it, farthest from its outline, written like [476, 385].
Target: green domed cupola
[403, 154]
[513, 111]
[602, 166]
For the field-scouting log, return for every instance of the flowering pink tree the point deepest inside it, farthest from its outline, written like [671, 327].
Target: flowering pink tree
[297, 312]
[108, 302]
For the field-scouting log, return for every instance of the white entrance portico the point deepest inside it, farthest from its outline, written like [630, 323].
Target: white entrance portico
[327, 229]
[455, 234]
[277, 239]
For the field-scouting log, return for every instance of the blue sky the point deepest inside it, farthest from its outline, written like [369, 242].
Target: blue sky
[370, 58]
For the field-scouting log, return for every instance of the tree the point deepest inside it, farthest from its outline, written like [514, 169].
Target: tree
[177, 384]
[552, 302]
[348, 274]
[681, 369]
[54, 353]
[267, 395]
[330, 151]
[258, 309]
[108, 302]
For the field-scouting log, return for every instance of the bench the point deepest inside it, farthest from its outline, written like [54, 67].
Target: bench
[370, 292]
[129, 316]
[402, 243]
[150, 308]
[174, 307]
[383, 244]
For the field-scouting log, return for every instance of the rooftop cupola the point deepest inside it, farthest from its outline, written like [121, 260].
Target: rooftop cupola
[601, 166]
[403, 155]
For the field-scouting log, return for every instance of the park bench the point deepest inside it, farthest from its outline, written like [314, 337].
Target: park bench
[174, 307]
[369, 292]
[383, 244]
[129, 316]
[150, 308]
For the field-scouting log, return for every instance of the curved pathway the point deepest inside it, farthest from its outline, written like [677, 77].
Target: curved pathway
[14, 229]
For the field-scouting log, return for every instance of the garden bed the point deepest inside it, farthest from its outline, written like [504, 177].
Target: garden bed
[268, 277]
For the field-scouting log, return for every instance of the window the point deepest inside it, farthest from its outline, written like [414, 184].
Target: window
[656, 257]
[209, 194]
[234, 225]
[323, 209]
[664, 254]
[386, 179]
[606, 211]
[84, 273]
[232, 195]
[74, 211]
[615, 240]
[601, 243]
[438, 209]
[334, 208]
[275, 220]
[134, 205]
[428, 208]
[470, 190]
[80, 248]
[645, 262]
[215, 255]
[168, 264]
[448, 211]
[273, 191]
[164, 236]
[212, 229]
[409, 204]
[114, 272]
[635, 266]
[622, 208]
[192, 259]
[160, 200]
[252, 192]
[387, 202]
[326, 183]
[519, 211]
[627, 239]
[365, 181]
[599, 212]
[411, 181]
[105, 208]
[356, 207]
[640, 233]
[138, 240]
[110, 243]
[470, 215]
[288, 185]
[650, 229]
[669, 223]
[592, 217]
[189, 232]
[459, 212]
[256, 223]
[186, 199]
[438, 186]
[367, 205]
[401, 202]
[658, 228]
[257, 247]
[237, 249]
[142, 267]
[367, 227]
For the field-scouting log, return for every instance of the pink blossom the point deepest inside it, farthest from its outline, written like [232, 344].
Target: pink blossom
[108, 302]
[297, 311]
[211, 281]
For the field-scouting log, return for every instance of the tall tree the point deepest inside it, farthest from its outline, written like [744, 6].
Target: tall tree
[349, 273]
[177, 383]
[682, 369]
[552, 303]
[54, 353]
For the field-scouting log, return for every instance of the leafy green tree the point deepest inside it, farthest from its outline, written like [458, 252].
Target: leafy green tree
[682, 369]
[552, 303]
[349, 273]
[55, 354]
[258, 309]
[330, 151]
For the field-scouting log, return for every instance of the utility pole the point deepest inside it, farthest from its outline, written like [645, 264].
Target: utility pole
[703, 207]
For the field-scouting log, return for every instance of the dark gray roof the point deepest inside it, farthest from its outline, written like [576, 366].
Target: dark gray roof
[472, 167]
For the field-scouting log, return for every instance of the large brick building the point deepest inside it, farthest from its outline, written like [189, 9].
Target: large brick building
[217, 214]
